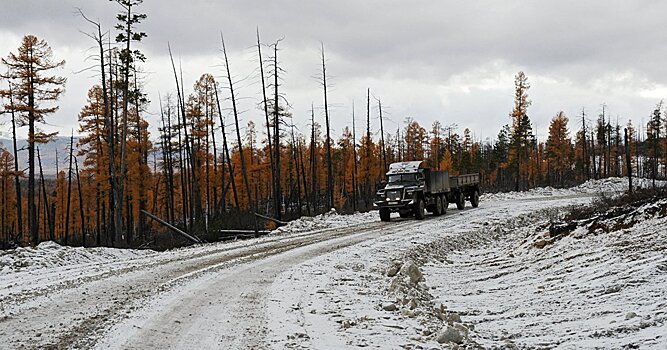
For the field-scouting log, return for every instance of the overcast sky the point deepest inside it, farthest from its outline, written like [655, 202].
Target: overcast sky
[452, 61]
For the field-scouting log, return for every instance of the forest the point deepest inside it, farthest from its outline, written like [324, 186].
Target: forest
[205, 172]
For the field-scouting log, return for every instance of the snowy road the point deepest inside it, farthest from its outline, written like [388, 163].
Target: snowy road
[208, 296]
[304, 288]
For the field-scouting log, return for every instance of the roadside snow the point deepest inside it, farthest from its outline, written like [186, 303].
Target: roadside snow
[325, 221]
[607, 186]
[589, 289]
[51, 255]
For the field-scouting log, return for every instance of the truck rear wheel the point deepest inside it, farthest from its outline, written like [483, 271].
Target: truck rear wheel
[437, 211]
[419, 209]
[474, 199]
[445, 204]
[385, 214]
[460, 201]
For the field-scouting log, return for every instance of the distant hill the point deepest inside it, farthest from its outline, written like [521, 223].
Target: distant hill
[47, 152]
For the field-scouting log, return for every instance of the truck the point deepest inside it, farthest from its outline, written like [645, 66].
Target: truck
[412, 188]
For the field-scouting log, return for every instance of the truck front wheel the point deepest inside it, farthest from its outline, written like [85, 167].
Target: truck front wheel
[385, 214]
[419, 209]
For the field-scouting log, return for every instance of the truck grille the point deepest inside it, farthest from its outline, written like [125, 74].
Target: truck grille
[393, 195]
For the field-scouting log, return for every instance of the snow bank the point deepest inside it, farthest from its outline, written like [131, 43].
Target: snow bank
[325, 221]
[600, 285]
[607, 186]
[50, 255]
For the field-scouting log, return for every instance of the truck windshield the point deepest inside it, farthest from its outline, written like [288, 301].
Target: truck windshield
[402, 178]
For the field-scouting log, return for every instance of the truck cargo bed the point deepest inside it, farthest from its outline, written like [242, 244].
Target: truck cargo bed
[463, 180]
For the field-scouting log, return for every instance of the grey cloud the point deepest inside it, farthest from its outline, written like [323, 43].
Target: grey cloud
[404, 50]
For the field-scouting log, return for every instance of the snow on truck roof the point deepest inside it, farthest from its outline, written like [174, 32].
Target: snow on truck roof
[404, 167]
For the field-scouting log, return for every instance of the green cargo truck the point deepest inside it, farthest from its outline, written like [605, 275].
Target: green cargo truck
[411, 189]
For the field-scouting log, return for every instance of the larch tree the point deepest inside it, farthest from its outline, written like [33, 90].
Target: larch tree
[653, 132]
[559, 148]
[415, 137]
[127, 21]
[521, 137]
[34, 87]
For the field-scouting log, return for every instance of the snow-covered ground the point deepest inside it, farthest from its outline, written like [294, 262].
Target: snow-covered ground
[485, 277]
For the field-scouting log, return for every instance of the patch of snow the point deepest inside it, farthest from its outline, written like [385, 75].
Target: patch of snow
[325, 221]
[51, 255]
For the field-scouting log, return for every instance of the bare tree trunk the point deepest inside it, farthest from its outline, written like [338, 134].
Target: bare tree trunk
[383, 149]
[251, 205]
[81, 212]
[17, 182]
[585, 144]
[69, 189]
[266, 117]
[313, 160]
[226, 151]
[298, 177]
[330, 185]
[367, 180]
[32, 217]
[276, 134]
[190, 154]
[303, 177]
[52, 236]
[595, 172]
[354, 154]
[143, 161]
[628, 160]
[167, 166]
[115, 202]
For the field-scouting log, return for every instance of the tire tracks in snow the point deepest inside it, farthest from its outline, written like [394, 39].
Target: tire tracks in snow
[73, 312]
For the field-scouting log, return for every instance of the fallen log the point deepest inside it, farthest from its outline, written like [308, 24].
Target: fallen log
[172, 227]
[278, 222]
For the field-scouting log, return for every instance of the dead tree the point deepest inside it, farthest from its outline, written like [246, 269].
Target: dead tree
[330, 185]
[190, 156]
[276, 134]
[367, 180]
[354, 154]
[81, 211]
[295, 160]
[244, 170]
[268, 124]
[17, 174]
[384, 151]
[303, 176]
[113, 230]
[313, 159]
[226, 153]
[69, 188]
[47, 210]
